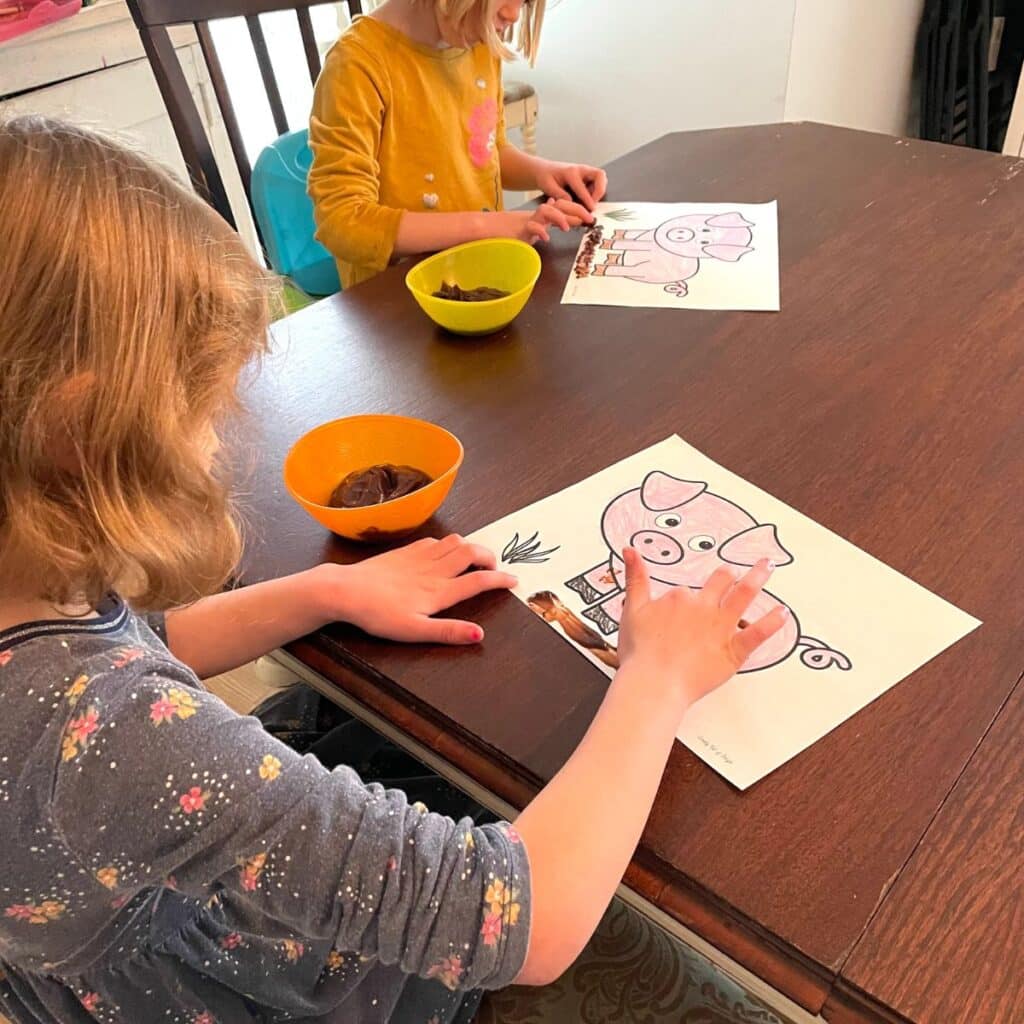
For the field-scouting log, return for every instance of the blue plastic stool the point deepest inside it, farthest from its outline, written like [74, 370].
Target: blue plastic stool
[284, 213]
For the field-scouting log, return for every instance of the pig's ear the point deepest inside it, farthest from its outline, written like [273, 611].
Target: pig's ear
[730, 253]
[729, 220]
[750, 546]
[660, 492]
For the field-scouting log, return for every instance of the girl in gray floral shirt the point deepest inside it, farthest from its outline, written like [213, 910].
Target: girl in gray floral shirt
[139, 812]
[163, 858]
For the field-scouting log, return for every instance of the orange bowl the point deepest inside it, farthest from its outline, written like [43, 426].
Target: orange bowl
[321, 459]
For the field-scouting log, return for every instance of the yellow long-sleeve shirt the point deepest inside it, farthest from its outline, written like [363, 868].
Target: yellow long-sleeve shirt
[400, 126]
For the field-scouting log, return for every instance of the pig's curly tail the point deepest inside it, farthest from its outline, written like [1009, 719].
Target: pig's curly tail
[818, 655]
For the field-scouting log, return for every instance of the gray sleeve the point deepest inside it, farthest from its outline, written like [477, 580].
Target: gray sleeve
[157, 622]
[170, 787]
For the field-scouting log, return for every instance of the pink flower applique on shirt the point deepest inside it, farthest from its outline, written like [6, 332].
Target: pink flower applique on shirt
[483, 132]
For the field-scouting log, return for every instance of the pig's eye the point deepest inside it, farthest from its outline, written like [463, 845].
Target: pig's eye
[702, 543]
[667, 522]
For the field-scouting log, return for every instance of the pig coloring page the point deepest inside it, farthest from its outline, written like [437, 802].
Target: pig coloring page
[679, 256]
[856, 627]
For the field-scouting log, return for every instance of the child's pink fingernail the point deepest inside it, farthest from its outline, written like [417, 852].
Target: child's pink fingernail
[770, 566]
[786, 612]
[477, 634]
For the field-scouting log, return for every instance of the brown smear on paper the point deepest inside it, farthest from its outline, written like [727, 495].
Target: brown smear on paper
[585, 258]
[550, 609]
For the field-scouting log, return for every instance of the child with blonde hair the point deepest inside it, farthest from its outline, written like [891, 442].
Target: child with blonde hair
[408, 136]
[164, 858]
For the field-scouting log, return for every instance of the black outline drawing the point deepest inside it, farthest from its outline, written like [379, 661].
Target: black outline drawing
[813, 653]
[638, 242]
[526, 553]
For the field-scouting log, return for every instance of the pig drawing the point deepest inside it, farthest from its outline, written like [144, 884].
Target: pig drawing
[670, 254]
[684, 532]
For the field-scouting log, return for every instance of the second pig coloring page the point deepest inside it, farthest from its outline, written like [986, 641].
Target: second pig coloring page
[679, 256]
[856, 627]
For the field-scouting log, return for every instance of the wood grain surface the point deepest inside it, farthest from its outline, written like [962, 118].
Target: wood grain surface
[883, 401]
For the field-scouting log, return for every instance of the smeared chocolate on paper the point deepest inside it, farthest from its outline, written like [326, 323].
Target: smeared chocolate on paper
[551, 609]
[585, 258]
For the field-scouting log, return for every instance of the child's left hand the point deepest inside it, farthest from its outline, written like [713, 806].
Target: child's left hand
[587, 185]
[395, 595]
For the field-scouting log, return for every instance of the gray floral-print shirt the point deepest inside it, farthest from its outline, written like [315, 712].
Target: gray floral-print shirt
[165, 859]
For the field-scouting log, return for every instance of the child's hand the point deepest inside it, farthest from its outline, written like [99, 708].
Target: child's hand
[693, 638]
[587, 184]
[535, 225]
[395, 594]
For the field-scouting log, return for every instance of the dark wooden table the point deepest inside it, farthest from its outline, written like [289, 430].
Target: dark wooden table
[878, 875]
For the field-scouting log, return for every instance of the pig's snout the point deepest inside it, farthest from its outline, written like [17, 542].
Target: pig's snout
[657, 547]
[680, 235]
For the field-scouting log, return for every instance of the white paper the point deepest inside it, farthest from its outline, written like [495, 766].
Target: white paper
[857, 626]
[679, 256]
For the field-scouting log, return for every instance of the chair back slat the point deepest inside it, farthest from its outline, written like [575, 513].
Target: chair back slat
[227, 109]
[309, 43]
[259, 45]
[181, 12]
[188, 126]
[153, 18]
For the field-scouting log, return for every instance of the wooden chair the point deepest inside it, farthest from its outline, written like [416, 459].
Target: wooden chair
[521, 110]
[154, 18]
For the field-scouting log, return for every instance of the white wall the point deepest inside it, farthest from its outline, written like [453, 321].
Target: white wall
[614, 74]
[851, 63]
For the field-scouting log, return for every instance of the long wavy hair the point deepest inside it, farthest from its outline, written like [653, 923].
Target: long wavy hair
[127, 311]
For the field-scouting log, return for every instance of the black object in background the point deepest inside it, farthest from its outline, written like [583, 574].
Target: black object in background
[970, 54]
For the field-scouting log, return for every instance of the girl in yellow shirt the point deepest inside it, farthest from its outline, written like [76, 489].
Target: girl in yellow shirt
[408, 137]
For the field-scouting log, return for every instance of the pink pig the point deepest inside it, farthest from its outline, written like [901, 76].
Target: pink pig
[671, 254]
[684, 532]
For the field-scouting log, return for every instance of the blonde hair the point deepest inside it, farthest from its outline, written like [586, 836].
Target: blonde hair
[475, 19]
[128, 309]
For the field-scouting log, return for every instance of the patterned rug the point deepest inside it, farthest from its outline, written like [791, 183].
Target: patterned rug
[632, 972]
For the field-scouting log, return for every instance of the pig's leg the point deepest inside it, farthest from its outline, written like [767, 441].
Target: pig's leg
[595, 583]
[612, 266]
[608, 613]
[618, 236]
[630, 245]
[618, 270]
[639, 257]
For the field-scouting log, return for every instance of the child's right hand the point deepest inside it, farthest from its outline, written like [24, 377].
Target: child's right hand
[583, 827]
[692, 638]
[535, 225]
